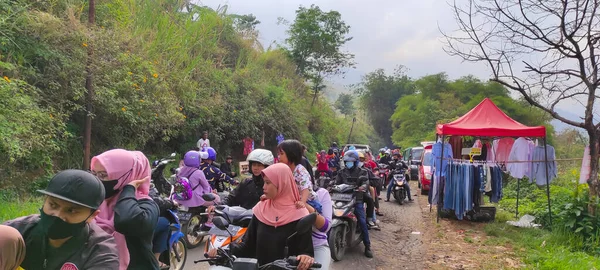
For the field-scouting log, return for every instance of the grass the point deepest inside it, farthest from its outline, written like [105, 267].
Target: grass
[11, 208]
[542, 249]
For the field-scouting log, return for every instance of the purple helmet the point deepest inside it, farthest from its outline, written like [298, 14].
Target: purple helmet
[212, 154]
[192, 159]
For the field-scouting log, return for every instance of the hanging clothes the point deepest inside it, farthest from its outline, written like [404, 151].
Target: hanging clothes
[439, 166]
[456, 145]
[538, 169]
[279, 138]
[584, 174]
[248, 145]
[519, 155]
[501, 149]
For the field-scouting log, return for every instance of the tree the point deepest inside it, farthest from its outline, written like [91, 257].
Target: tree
[554, 43]
[314, 45]
[89, 86]
[379, 93]
[345, 104]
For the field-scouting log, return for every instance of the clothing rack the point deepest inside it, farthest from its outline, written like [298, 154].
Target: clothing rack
[441, 138]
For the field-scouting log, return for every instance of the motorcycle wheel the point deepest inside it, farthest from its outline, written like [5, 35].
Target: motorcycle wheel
[193, 237]
[178, 248]
[337, 243]
[400, 196]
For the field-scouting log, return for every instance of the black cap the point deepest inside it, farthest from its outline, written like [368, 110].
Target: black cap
[229, 157]
[78, 187]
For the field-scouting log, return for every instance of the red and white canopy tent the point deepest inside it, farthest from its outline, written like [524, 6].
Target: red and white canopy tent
[487, 120]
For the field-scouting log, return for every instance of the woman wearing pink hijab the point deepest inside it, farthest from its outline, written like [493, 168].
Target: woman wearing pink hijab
[128, 213]
[274, 221]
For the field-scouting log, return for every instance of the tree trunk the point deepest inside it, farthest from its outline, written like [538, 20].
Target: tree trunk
[89, 86]
[316, 93]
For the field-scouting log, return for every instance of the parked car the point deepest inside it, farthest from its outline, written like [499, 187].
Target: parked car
[362, 147]
[425, 170]
[412, 157]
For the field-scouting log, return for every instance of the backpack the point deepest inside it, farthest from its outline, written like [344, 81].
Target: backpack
[183, 188]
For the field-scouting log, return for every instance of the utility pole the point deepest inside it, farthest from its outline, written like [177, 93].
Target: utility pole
[89, 86]
[352, 128]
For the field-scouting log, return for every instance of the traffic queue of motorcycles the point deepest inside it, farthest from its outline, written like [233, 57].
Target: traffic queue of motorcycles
[230, 223]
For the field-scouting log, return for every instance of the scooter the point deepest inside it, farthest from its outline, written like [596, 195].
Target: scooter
[238, 219]
[345, 232]
[227, 261]
[176, 256]
[399, 190]
[157, 175]
[384, 171]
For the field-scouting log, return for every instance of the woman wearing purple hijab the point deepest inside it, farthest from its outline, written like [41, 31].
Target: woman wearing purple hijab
[197, 179]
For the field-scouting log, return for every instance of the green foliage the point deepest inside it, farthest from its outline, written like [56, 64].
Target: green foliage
[570, 205]
[541, 249]
[345, 104]
[379, 93]
[437, 100]
[161, 76]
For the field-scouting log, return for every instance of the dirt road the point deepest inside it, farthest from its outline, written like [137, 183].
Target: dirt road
[399, 244]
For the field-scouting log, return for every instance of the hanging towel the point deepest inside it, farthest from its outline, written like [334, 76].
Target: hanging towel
[584, 174]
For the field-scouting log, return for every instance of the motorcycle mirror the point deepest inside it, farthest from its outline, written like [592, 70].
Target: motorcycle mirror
[209, 197]
[173, 154]
[221, 223]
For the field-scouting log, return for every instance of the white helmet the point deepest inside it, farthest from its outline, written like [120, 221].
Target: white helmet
[262, 156]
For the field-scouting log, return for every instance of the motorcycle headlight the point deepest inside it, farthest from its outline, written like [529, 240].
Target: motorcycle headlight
[338, 212]
[399, 182]
[428, 176]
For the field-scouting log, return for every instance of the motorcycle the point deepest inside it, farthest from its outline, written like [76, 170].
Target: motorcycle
[176, 256]
[384, 171]
[225, 260]
[399, 190]
[238, 219]
[157, 175]
[345, 232]
[324, 181]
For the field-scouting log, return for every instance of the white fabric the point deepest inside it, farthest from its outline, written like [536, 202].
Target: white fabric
[584, 174]
[202, 143]
[520, 152]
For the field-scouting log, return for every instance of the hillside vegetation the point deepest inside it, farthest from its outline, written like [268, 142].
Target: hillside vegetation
[164, 71]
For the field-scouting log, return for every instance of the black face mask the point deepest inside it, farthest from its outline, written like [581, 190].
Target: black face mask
[109, 188]
[56, 228]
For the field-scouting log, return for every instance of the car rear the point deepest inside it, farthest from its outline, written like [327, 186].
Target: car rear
[425, 170]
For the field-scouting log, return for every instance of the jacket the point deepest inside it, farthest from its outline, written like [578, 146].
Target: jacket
[356, 176]
[93, 249]
[226, 168]
[136, 220]
[266, 243]
[246, 194]
[163, 204]
[215, 176]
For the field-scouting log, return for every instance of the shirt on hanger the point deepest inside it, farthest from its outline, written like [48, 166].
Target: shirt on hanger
[538, 169]
[501, 149]
[519, 152]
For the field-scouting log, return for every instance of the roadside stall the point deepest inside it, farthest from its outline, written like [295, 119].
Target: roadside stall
[460, 184]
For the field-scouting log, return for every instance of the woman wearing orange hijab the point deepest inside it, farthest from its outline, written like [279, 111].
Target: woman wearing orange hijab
[274, 221]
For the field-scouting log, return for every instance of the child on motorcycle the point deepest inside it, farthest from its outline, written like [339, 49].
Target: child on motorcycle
[290, 153]
[323, 163]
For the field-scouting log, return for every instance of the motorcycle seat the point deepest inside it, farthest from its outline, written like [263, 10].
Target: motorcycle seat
[237, 215]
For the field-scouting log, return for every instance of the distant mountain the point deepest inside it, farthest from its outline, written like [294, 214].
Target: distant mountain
[559, 125]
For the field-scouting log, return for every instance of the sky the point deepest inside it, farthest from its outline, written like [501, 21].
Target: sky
[386, 33]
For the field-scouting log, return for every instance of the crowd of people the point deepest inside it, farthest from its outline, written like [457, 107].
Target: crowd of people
[112, 218]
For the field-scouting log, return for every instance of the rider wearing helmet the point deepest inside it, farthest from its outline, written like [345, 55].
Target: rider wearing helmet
[248, 193]
[213, 174]
[352, 174]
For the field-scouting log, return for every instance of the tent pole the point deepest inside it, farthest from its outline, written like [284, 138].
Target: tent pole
[439, 194]
[518, 190]
[547, 180]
